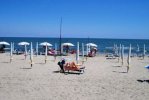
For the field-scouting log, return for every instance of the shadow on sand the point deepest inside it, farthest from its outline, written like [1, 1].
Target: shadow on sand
[40, 63]
[141, 81]
[116, 66]
[26, 68]
[5, 62]
[119, 72]
[66, 73]
[56, 71]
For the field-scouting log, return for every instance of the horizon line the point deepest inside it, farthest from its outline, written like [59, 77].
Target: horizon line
[72, 37]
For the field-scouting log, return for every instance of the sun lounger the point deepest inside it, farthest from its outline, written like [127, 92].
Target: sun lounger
[77, 67]
[71, 67]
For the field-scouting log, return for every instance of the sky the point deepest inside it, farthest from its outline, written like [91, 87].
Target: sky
[80, 18]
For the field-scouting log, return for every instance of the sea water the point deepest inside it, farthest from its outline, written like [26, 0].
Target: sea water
[102, 43]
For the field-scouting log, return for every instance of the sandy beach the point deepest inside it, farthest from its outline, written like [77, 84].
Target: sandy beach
[103, 79]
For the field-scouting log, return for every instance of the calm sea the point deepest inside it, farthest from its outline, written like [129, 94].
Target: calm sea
[102, 43]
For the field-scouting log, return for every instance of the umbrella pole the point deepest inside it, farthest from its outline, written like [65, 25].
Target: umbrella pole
[11, 52]
[86, 52]
[46, 55]
[31, 55]
[129, 58]
[55, 53]
[82, 53]
[25, 52]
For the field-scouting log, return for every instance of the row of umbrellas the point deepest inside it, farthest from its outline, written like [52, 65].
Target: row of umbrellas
[47, 44]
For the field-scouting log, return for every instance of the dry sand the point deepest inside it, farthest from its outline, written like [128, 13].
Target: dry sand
[103, 80]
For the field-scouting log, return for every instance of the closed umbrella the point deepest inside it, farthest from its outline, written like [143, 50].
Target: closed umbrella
[138, 49]
[25, 52]
[122, 54]
[31, 54]
[55, 52]
[37, 49]
[144, 51]
[77, 54]
[119, 53]
[46, 54]
[129, 58]
[86, 52]
[55, 48]
[82, 52]
[11, 49]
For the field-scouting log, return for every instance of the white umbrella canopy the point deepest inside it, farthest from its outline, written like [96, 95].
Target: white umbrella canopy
[45, 44]
[23, 43]
[68, 44]
[91, 44]
[4, 43]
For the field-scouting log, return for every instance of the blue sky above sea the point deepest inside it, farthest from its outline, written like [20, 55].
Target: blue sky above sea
[81, 18]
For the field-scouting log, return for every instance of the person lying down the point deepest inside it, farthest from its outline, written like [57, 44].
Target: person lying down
[70, 66]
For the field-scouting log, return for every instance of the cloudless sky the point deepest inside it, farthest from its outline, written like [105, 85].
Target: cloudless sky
[81, 18]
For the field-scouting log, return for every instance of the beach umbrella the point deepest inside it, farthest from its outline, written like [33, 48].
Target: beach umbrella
[11, 49]
[116, 49]
[83, 50]
[86, 50]
[91, 44]
[45, 44]
[55, 52]
[31, 54]
[25, 52]
[4, 43]
[46, 54]
[144, 51]
[61, 49]
[119, 53]
[23, 43]
[122, 54]
[55, 48]
[77, 54]
[129, 58]
[68, 44]
[138, 49]
[37, 49]
[89, 48]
